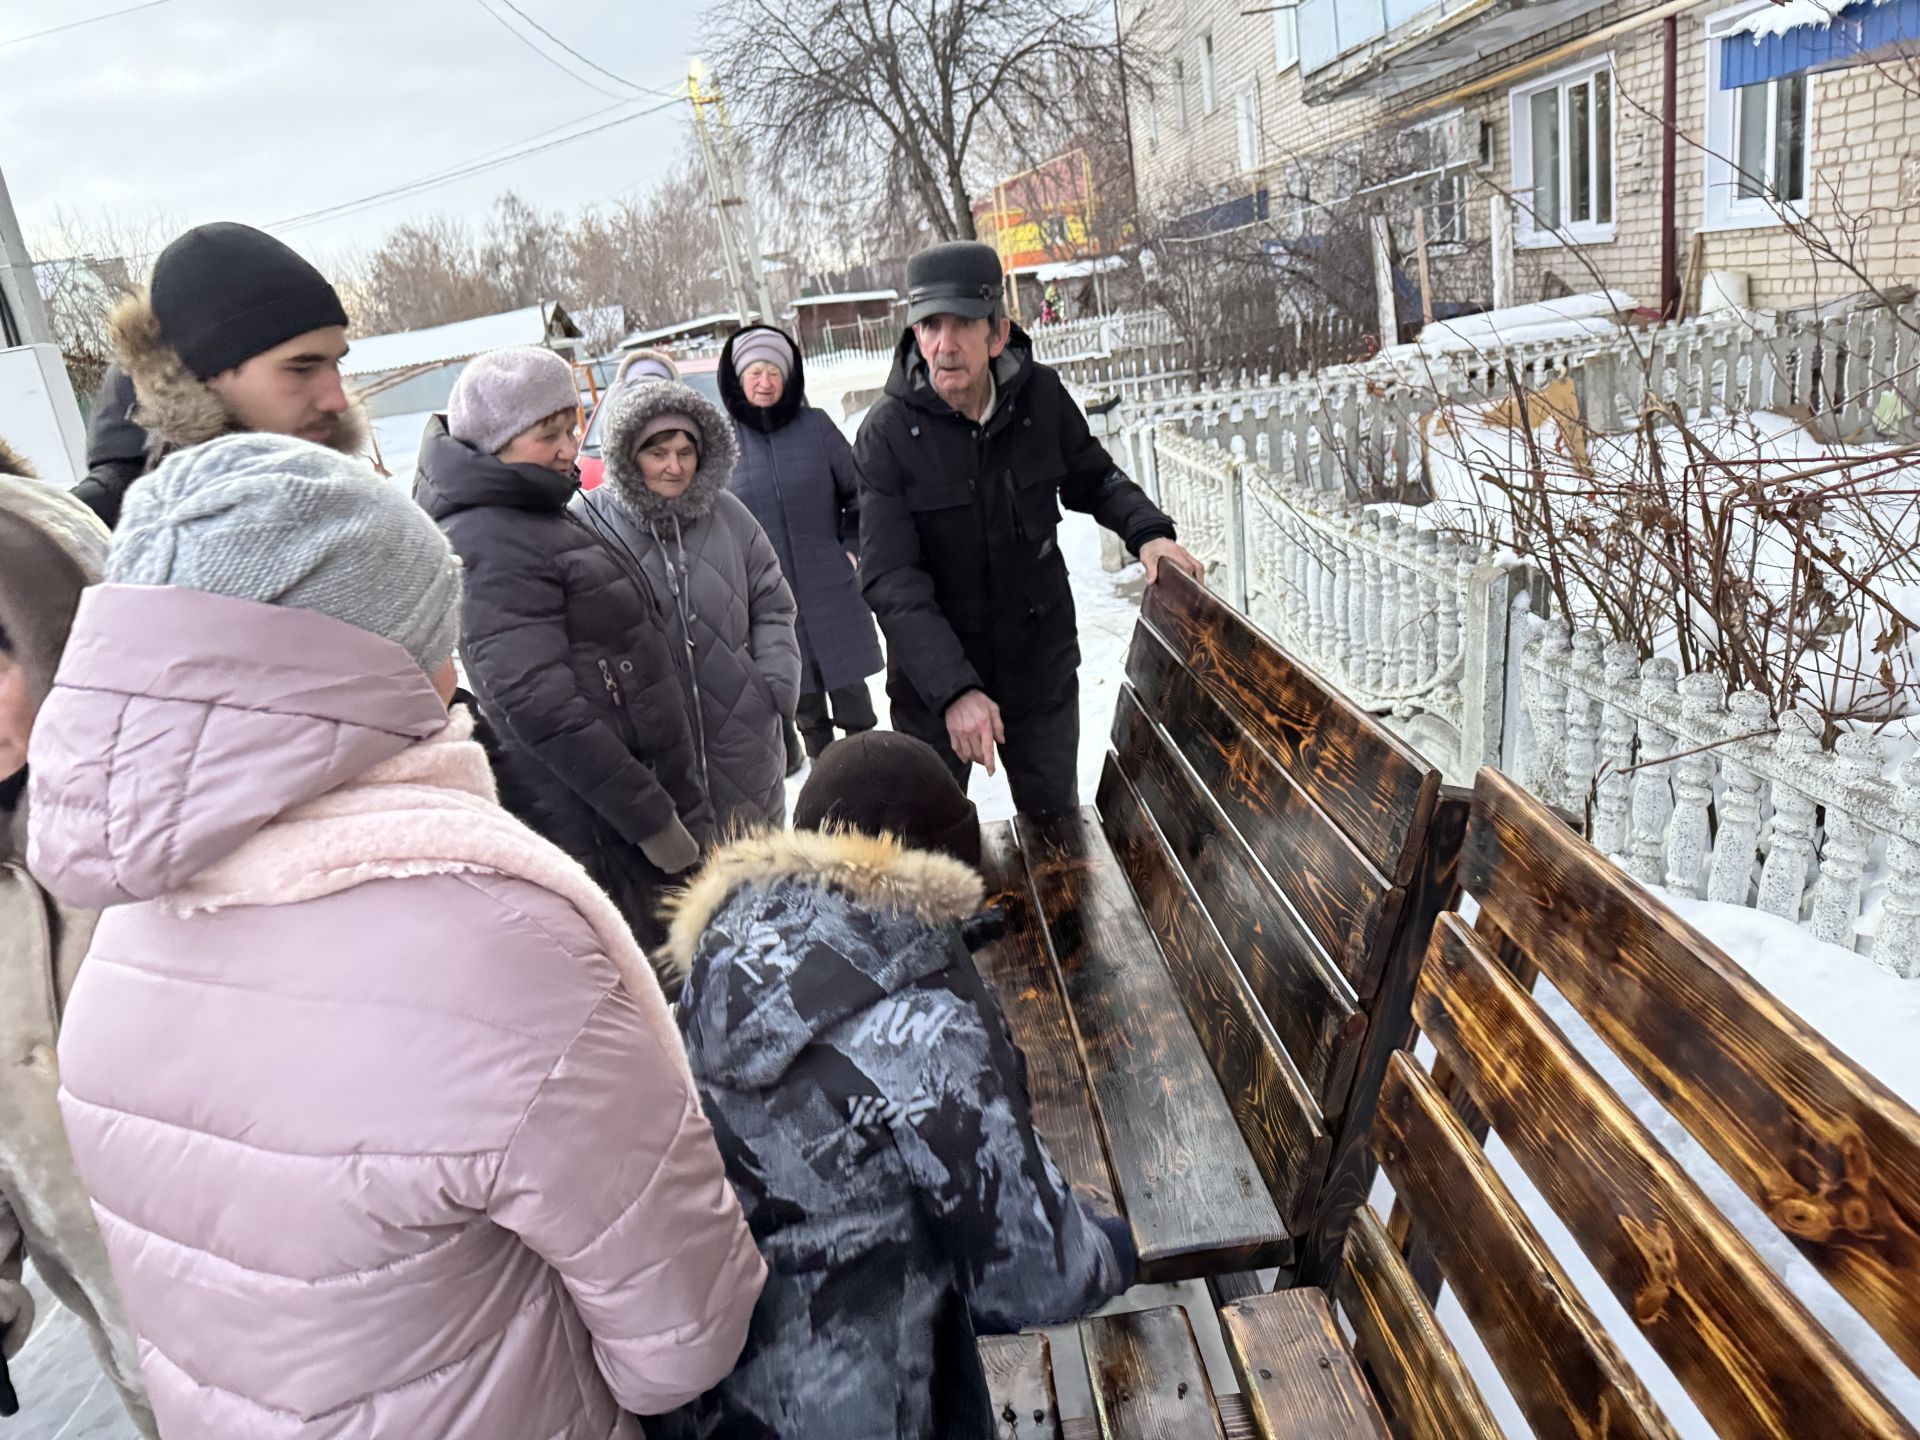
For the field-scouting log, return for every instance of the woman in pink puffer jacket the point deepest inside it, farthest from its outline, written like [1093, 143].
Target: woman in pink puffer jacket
[386, 1123]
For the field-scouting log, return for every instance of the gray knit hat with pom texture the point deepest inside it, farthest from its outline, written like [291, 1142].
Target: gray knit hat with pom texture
[284, 522]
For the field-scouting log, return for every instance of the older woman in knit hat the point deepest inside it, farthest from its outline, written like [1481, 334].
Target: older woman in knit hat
[798, 477]
[569, 654]
[665, 508]
[381, 1108]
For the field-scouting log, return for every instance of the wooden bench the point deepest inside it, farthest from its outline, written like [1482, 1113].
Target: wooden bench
[1822, 1148]
[1208, 969]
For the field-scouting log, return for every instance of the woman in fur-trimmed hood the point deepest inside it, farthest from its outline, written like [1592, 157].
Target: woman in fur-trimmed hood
[665, 507]
[872, 1111]
[51, 549]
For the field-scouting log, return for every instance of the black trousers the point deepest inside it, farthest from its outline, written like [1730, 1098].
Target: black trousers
[1042, 753]
[818, 715]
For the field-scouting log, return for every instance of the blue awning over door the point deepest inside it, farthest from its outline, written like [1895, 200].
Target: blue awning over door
[1856, 30]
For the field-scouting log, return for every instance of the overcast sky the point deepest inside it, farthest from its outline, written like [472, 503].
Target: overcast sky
[265, 110]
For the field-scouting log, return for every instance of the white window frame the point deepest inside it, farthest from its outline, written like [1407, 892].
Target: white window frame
[1246, 123]
[1527, 231]
[1286, 36]
[1181, 93]
[1209, 81]
[1725, 207]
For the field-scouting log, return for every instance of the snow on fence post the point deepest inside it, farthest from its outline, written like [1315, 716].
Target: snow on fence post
[1737, 841]
[1835, 910]
[1652, 787]
[1896, 947]
[1783, 879]
[1546, 699]
[1702, 704]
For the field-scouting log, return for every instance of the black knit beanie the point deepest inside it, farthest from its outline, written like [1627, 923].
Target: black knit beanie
[224, 293]
[884, 782]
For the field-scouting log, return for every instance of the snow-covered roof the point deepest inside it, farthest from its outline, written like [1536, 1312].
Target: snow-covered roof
[681, 327]
[851, 297]
[1569, 317]
[1785, 15]
[1071, 269]
[442, 344]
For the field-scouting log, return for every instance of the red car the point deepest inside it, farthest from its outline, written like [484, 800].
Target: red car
[702, 376]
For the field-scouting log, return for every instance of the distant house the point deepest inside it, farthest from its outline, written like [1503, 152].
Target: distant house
[414, 371]
[829, 322]
[701, 332]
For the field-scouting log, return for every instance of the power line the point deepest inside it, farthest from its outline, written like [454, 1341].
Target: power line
[507, 26]
[76, 24]
[584, 60]
[447, 177]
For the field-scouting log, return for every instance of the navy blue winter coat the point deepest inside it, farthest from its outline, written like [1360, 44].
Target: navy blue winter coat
[798, 477]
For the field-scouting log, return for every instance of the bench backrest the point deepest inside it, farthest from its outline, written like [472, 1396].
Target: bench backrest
[1290, 854]
[1827, 1152]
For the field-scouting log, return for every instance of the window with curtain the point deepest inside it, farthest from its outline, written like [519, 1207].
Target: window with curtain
[1246, 106]
[1563, 155]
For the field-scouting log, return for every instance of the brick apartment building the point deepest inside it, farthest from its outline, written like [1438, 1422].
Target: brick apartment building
[1806, 179]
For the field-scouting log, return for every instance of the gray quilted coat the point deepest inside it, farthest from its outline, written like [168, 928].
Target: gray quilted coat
[719, 582]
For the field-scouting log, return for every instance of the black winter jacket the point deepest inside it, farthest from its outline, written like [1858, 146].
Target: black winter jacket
[116, 448]
[872, 1110]
[958, 553]
[568, 656]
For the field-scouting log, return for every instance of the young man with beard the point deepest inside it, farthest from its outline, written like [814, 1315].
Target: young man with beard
[235, 333]
[966, 461]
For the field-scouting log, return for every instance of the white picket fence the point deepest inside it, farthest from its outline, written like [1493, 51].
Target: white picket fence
[1709, 794]
[1715, 797]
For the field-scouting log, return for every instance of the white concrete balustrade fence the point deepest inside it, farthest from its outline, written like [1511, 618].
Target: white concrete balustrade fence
[1716, 798]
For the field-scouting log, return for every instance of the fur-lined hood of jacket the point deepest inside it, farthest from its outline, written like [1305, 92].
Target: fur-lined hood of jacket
[12, 462]
[877, 872]
[629, 409]
[176, 407]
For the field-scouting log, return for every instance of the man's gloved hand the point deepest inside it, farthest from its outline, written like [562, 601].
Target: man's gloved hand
[974, 728]
[16, 1317]
[671, 849]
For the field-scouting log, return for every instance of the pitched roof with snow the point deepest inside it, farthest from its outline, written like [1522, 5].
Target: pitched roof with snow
[852, 297]
[462, 340]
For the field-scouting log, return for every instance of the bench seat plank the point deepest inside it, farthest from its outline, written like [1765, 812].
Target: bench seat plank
[1188, 1185]
[1563, 1371]
[1342, 899]
[1298, 1375]
[1409, 1355]
[1278, 1119]
[1020, 1380]
[1829, 1153]
[1019, 967]
[1374, 785]
[1745, 1348]
[1309, 1004]
[1148, 1379]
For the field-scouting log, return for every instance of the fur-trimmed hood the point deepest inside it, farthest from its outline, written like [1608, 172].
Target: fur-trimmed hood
[628, 410]
[12, 462]
[793, 932]
[176, 407]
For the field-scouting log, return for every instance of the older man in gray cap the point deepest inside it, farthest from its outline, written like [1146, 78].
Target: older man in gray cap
[966, 462]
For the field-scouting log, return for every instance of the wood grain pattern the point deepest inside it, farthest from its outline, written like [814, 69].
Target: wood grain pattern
[1310, 1005]
[1826, 1150]
[1300, 1380]
[1564, 1373]
[1190, 1188]
[1020, 1380]
[1019, 967]
[1342, 898]
[1411, 1359]
[1748, 1352]
[1350, 1174]
[1148, 1380]
[1278, 1119]
[1376, 787]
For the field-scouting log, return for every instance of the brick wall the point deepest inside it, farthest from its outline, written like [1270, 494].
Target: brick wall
[1863, 159]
